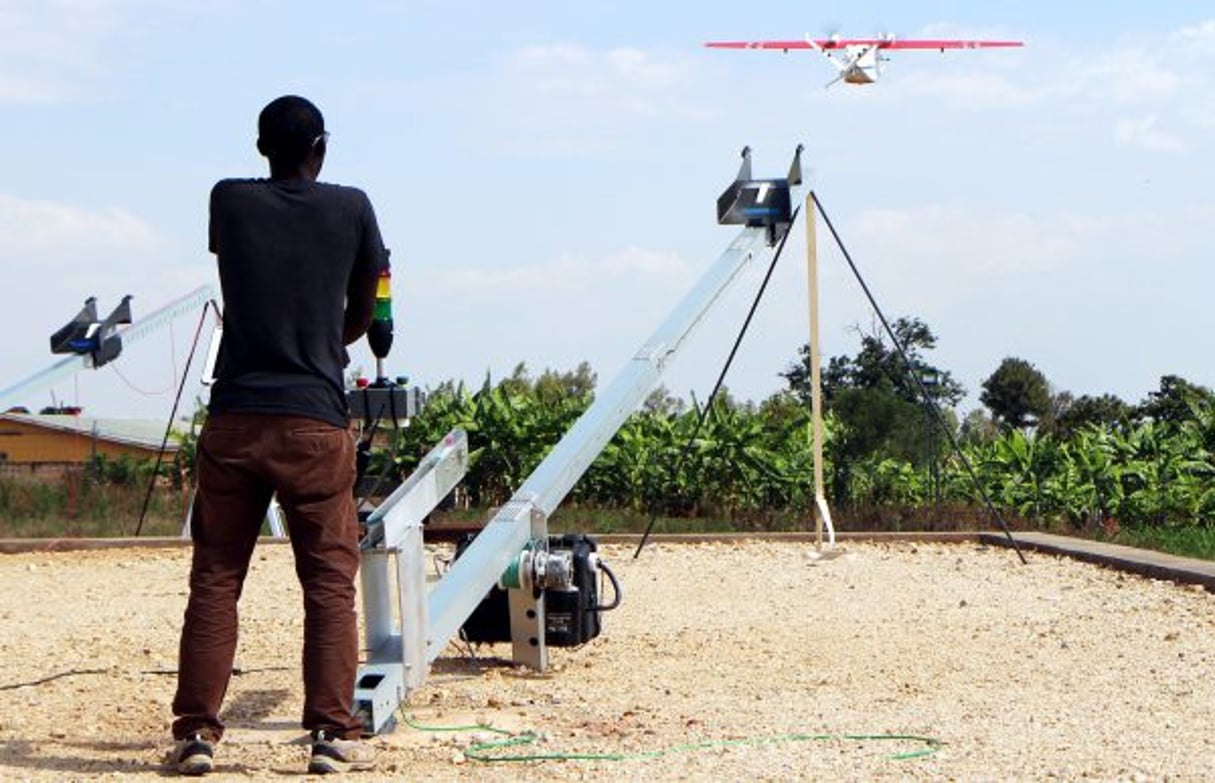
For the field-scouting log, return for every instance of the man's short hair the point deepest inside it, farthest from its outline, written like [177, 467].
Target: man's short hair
[288, 128]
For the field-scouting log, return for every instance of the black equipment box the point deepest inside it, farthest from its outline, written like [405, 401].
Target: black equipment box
[571, 617]
[389, 403]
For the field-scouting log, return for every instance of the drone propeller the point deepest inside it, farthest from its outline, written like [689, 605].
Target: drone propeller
[839, 67]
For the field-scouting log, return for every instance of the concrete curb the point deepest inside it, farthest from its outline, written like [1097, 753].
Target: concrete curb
[10, 546]
[1145, 562]
[15, 546]
[805, 536]
[1154, 565]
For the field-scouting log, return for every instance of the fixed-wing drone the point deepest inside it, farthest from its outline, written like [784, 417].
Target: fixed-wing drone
[859, 60]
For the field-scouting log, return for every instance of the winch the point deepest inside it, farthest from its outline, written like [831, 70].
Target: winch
[567, 568]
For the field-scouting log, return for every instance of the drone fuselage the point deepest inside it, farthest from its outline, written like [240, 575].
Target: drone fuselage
[862, 65]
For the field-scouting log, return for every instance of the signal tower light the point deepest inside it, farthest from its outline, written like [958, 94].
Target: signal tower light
[379, 335]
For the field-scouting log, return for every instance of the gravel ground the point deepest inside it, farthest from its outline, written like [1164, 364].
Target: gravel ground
[727, 661]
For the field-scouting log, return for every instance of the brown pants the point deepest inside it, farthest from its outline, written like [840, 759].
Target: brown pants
[242, 459]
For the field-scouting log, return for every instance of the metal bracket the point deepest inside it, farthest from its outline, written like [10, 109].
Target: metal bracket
[395, 612]
[527, 602]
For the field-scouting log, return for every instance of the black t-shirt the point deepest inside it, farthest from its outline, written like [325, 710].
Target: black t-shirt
[288, 252]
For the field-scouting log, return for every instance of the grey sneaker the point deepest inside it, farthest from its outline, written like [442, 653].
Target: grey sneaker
[193, 756]
[330, 754]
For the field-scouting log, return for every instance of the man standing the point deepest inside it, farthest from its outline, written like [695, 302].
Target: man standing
[298, 261]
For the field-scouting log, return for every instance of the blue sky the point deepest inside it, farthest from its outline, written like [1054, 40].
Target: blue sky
[545, 174]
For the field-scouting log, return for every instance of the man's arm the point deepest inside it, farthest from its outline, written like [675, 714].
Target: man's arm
[360, 289]
[360, 304]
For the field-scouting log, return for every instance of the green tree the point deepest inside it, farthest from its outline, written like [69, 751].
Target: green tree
[1017, 394]
[978, 428]
[661, 401]
[1176, 401]
[185, 462]
[556, 388]
[878, 400]
[879, 365]
[1106, 411]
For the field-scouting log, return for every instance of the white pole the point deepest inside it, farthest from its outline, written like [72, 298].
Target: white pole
[816, 380]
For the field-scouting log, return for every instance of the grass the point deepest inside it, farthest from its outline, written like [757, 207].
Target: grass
[74, 506]
[1198, 541]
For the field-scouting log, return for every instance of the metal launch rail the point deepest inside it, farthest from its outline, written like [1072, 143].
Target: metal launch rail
[407, 625]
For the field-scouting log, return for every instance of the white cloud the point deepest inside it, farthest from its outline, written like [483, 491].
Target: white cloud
[52, 50]
[569, 97]
[1198, 39]
[972, 88]
[47, 227]
[983, 248]
[566, 275]
[1203, 116]
[643, 69]
[574, 71]
[1149, 93]
[953, 30]
[459, 321]
[1142, 132]
[1126, 75]
[967, 242]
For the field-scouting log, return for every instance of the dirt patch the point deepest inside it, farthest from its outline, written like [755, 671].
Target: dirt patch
[739, 660]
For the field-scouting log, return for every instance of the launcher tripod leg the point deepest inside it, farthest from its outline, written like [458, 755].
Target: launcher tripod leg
[274, 518]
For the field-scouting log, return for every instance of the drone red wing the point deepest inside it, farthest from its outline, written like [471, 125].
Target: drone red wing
[785, 45]
[947, 44]
[881, 43]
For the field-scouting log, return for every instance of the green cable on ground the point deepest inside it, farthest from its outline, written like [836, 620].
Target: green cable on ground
[411, 723]
[486, 752]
